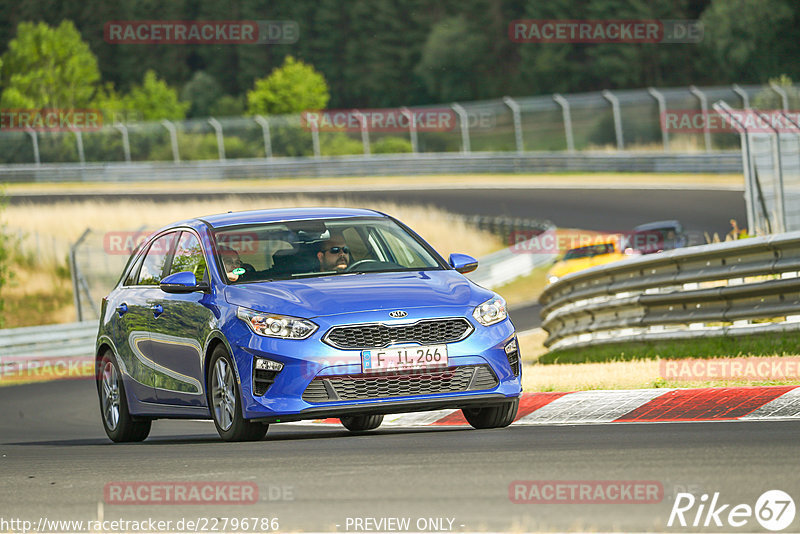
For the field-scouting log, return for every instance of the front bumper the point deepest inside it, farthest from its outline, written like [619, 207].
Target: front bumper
[305, 360]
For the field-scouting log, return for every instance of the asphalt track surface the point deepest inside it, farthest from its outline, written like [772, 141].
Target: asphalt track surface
[610, 210]
[55, 462]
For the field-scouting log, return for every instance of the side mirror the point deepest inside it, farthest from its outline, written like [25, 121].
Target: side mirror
[182, 282]
[463, 263]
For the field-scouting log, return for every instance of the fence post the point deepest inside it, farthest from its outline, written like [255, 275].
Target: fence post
[777, 184]
[784, 97]
[220, 137]
[79, 142]
[515, 110]
[742, 94]
[35, 141]
[701, 96]
[362, 121]
[126, 145]
[73, 267]
[567, 117]
[464, 120]
[608, 95]
[315, 139]
[662, 111]
[747, 165]
[412, 128]
[264, 123]
[173, 137]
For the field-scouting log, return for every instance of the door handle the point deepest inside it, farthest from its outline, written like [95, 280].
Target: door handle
[122, 309]
[157, 310]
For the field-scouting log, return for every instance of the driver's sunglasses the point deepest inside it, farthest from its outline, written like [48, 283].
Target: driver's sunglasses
[337, 250]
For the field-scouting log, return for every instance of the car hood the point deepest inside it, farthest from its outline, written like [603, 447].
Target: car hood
[339, 294]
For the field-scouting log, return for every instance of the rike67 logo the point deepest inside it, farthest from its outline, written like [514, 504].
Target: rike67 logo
[774, 510]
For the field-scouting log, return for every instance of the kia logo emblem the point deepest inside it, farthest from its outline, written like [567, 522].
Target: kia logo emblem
[398, 314]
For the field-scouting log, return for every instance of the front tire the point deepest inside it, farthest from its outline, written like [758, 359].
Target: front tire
[361, 423]
[498, 416]
[118, 423]
[223, 400]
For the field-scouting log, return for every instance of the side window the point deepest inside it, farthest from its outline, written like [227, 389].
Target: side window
[130, 280]
[153, 265]
[189, 257]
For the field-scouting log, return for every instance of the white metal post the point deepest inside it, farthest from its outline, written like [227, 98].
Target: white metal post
[126, 145]
[608, 95]
[220, 137]
[173, 137]
[35, 141]
[264, 123]
[412, 129]
[464, 120]
[701, 96]
[362, 121]
[662, 111]
[515, 110]
[567, 118]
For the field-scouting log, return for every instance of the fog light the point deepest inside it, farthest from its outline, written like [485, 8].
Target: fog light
[263, 364]
[511, 346]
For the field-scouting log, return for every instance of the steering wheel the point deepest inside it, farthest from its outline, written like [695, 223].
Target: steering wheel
[353, 266]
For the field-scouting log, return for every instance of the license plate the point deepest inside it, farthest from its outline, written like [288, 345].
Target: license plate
[406, 357]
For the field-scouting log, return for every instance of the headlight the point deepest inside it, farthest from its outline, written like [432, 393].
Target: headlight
[552, 279]
[490, 312]
[273, 325]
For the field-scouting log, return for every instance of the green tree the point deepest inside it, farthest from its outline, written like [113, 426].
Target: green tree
[752, 40]
[450, 65]
[292, 88]
[48, 67]
[155, 100]
[202, 91]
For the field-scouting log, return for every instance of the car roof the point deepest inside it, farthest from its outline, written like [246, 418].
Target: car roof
[284, 214]
[659, 224]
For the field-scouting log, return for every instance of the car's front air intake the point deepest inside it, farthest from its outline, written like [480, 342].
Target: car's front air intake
[367, 386]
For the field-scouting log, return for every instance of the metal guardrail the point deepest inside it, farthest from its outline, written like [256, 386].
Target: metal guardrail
[727, 289]
[63, 340]
[376, 165]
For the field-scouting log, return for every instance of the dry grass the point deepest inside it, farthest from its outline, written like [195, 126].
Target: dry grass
[66, 221]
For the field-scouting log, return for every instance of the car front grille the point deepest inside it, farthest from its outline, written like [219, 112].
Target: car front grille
[368, 386]
[375, 336]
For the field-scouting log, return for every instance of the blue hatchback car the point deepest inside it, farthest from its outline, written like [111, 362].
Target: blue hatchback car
[269, 316]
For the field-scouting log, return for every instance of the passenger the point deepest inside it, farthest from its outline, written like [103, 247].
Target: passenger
[233, 265]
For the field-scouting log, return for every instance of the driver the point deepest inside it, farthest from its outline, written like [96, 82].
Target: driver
[333, 254]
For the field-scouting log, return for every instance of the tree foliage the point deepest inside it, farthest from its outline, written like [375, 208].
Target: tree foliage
[155, 100]
[292, 88]
[47, 67]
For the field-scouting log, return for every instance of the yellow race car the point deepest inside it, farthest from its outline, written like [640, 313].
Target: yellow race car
[579, 258]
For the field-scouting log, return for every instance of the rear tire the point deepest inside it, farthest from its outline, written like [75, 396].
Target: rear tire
[118, 423]
[224, 397]
[498, 416]
[361, 423]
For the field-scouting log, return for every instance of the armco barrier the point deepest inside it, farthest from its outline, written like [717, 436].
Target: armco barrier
[376, 165]
[726, 289]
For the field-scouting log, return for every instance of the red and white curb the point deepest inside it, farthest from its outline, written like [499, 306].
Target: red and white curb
[632, 406]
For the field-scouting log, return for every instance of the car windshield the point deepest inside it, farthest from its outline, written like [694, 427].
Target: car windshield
[304, 249]
[589, 251]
